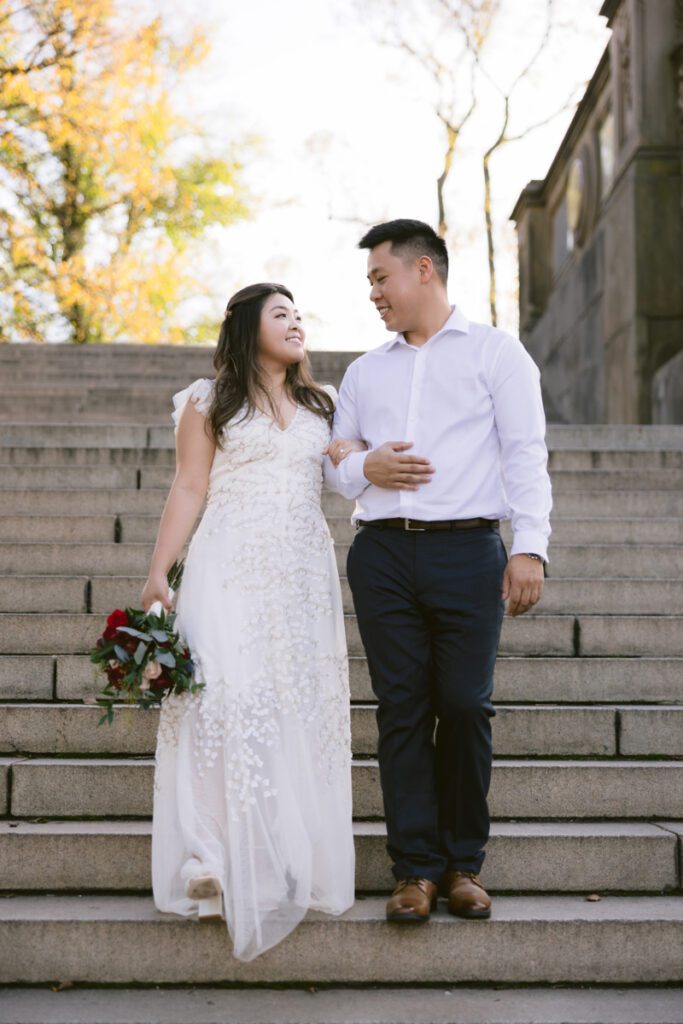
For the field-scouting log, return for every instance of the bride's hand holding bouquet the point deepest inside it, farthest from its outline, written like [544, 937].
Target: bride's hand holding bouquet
[141, 654]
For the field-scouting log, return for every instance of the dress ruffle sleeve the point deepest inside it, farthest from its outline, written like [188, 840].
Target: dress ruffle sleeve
[332, 392]
[199, 391]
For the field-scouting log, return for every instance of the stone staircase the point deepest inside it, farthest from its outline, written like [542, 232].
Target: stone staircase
[587, 791]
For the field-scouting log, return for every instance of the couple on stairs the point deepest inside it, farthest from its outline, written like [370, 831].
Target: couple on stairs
[438, 434]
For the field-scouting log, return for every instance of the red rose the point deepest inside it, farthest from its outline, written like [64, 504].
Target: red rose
[116, 619]
[115, 676]
[162, 682]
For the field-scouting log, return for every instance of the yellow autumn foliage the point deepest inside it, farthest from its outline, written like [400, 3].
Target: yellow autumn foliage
[98, 215]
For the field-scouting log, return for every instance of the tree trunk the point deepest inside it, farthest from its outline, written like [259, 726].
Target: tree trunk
[489, 239]
[72, 219]
[452, 138]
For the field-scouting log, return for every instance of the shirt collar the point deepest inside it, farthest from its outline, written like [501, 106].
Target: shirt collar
[457, 321]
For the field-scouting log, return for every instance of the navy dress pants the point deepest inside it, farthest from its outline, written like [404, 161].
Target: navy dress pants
[430, 612]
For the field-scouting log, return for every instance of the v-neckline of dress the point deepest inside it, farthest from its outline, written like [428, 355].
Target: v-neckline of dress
[281, 430]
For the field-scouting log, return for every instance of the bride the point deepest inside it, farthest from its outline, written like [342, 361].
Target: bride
[252, 788]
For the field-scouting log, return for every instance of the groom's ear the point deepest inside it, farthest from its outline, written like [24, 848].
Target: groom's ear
[426, 268]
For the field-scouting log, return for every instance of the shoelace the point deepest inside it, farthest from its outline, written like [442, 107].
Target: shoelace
[470, 874]
[421, 884]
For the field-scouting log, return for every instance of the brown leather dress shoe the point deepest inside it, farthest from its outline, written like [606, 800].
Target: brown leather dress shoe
[412, 900]
[467, 897]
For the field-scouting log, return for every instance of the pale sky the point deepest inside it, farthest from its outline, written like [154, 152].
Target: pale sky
[348, 136]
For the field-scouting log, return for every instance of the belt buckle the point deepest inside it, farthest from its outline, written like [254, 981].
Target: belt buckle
[413, 529]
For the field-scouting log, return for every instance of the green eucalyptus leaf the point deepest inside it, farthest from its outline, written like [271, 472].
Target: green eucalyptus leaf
[140, 652]
[134, 632]
[165, 658]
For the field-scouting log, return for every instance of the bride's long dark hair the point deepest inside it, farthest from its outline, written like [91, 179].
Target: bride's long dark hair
[239, 378]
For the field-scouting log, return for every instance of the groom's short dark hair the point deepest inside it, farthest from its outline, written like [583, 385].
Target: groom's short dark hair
[410, 239]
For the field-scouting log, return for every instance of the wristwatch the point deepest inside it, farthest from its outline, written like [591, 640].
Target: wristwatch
[538, 558]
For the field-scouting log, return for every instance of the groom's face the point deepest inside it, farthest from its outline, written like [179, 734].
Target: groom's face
[394, 287]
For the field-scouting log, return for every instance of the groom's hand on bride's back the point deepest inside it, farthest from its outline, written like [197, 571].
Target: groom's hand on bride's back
[390, 466]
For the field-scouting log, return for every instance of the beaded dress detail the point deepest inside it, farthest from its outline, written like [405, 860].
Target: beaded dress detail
[253, 773]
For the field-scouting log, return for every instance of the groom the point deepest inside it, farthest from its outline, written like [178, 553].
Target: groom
[452, 415]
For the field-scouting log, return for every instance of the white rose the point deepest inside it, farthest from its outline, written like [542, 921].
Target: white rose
[152, 670]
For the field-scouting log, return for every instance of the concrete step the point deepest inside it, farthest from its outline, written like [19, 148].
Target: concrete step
[75, 477]
[564, 459]
[103, 404]
[112, 939]
[41, 354]
[63, 593]
[127, 356]
[519, 730]
[35, 497]
[40, 456]
[42, 478]
[60, 435]
[560, 596]
[662, 561]
[565, 530]
[592, 560]
[538, 679]
[626, 502]
[64, 376]
[65, 633]
[143, 528]
[599, 438]
[206, 1005]
[618, 856]
[97, 403]
[613, 436]
[18, 448]
[104, 787]
[75, 529]
[54, 503]
[531, 635]
[562, 480]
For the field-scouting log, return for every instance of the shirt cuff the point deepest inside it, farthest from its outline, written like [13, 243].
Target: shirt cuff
[351, 471]
[528, 542]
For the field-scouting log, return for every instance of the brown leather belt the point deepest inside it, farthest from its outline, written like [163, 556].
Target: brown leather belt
[419, 525]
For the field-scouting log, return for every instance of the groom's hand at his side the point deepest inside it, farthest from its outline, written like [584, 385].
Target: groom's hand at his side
[522, 584]
[389, 466]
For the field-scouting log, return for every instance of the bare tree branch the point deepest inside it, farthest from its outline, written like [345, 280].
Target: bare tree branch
[502, 139]
[447, 106]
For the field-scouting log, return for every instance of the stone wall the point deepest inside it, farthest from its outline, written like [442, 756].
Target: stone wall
[601, 289]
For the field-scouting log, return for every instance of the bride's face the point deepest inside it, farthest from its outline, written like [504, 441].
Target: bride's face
[281, 333]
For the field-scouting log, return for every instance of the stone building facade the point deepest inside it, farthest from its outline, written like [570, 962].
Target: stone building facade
[600, 238]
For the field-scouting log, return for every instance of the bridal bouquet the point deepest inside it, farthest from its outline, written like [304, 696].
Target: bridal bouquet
[142, 656]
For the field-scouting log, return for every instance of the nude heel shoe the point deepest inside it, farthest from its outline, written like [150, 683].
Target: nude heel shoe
[207, 890]
[211, 909]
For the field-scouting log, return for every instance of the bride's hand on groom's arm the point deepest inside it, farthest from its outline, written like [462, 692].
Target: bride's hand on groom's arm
[389, 466]
[339, 449]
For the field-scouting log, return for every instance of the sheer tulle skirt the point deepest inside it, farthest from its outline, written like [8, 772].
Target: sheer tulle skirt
[252, 775]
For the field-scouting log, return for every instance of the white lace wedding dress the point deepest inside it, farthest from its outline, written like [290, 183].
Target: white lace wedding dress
[253, 773]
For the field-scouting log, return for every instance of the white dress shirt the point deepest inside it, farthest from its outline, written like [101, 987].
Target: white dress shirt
[470, 401]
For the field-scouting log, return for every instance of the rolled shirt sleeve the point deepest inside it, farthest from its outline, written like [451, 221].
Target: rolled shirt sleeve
[520, 420]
